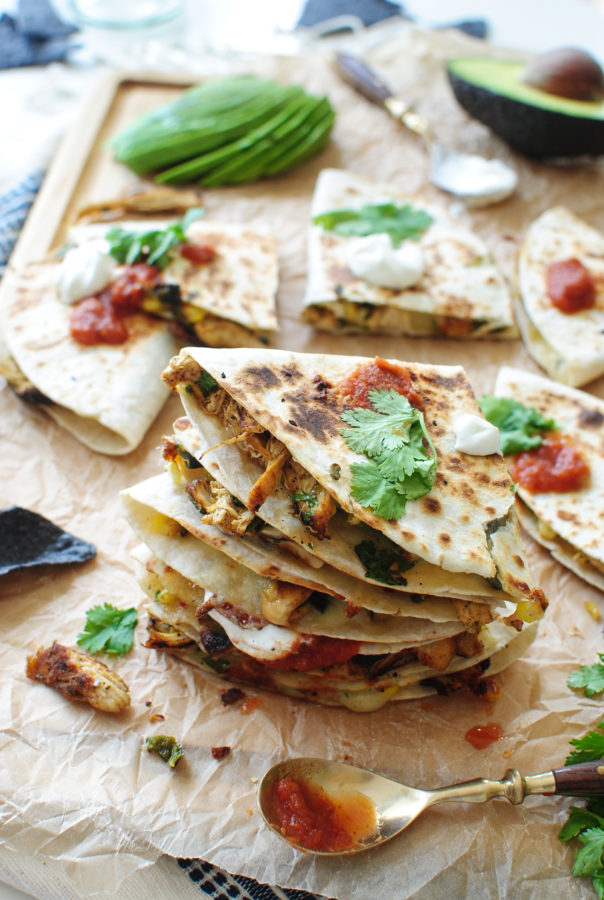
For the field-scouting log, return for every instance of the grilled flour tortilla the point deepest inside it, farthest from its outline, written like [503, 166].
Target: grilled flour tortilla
[460, 294]
[108, 395]
[569, 524]
[262, 567]
[570, 347]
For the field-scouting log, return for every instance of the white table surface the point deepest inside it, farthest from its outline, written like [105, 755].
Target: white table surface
[40, 102]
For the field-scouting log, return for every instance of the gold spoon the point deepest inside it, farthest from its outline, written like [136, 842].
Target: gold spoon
[373, 808]
[476, 181]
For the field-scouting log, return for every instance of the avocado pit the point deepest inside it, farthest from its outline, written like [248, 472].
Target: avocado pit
[566, 72]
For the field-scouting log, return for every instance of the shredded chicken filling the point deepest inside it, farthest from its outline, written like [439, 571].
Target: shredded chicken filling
[311, 503]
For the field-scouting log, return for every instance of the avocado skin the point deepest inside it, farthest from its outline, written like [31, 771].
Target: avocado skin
[531, 130]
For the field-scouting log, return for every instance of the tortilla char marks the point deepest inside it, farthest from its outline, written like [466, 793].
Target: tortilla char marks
[431, 505]
[258, 378]
[567, 516]
[302, 412]
[437, 388]
[590, 418]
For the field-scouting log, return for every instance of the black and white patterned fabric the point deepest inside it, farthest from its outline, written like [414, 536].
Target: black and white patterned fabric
[219, 885]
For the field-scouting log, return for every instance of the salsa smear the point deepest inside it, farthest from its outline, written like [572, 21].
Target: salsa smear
[100, 319]
[378, 375]
[570, 286]
[316, 650]
[553, 466]
[317, 821]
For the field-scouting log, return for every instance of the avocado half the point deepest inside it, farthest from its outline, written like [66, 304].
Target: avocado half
[531, 121]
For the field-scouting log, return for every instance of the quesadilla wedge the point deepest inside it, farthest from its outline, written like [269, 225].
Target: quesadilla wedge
[85, 336]
[561, 502]
[273, 431]
[561, 285]
[440, 282]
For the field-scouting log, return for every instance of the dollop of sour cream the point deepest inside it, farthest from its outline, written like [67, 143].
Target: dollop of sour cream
[478, 181]
[84, 271]
[374, 259]
[475, 435]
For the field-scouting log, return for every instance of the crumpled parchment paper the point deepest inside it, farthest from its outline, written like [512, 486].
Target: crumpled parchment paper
[76, 785]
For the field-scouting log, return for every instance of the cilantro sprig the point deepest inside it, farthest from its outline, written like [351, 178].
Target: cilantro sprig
[591, 679]
[108, 629]
[392, 437]
[399, 222]
[521, 427]
[155, 247]
[587, 823]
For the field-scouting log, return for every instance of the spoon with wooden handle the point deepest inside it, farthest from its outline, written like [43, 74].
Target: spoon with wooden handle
[475, 180]
[329, 807]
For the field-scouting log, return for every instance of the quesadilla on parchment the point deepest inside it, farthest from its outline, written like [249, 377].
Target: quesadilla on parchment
[262, 565]
[86, 335]
[381, 262]
[561, 285]
[568, 518]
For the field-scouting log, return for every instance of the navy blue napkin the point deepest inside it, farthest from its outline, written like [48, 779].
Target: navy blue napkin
[369, 12]
[35, 36]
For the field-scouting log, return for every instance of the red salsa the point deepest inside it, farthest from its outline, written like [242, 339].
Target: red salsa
[100, 319]
[570, 286]
[378, 375]
[200, 254]
[481, 736]
[554, 466]
[320, 821]
[316, 650]
[307, 815]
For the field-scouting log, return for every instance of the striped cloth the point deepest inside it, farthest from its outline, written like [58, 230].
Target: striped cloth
[14, 207]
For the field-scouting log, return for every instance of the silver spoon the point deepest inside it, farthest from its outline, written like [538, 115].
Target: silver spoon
[387, 806]
[475, 180]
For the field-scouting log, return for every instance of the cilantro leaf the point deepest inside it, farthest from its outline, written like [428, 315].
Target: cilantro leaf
[155, 247]
[591, 678]
[578, 820]
[589, 748]
[588, 860]
[399, 222]
[383, 563]
[108, 628]
[370, 488]
[393, 437]
[519, 425]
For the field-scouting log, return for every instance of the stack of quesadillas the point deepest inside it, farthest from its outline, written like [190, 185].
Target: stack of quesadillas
[317, 533]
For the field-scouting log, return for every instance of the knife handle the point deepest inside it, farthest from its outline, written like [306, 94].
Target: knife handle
[581, 780]
[356, 73]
